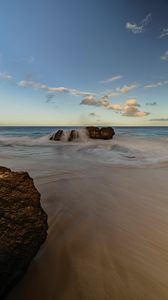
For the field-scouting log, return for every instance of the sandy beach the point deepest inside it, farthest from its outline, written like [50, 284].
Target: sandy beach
[107, 235]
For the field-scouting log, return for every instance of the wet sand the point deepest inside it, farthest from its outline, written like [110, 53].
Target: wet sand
[107, 238]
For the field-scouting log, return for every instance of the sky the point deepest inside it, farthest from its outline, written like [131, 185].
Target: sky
[92, 62]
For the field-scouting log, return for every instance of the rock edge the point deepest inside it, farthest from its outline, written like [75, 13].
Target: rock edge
[23, 226]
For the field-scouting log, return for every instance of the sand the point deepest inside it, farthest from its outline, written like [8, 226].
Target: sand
[107, 238]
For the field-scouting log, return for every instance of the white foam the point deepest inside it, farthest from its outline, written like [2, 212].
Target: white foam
[121, 150]
[24, 140]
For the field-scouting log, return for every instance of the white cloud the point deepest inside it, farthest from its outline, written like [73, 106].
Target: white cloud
[113, 94]
[57, 89]
[80, 93]
[122, 90]
[41, 86]
[153, 85]
[88, 100]
[139, 28]
[132, 102]
[91, 100]
[165, 56]
[5, 76]
[115, 106]
[126, 88]
[164, 33]
[129, 108]
[133, 111]
[113, 78]
[156, 84]
[32, 84]
[134, 27]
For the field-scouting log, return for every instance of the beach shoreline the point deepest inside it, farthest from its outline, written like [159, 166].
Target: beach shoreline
[107, 235]
[107, 212]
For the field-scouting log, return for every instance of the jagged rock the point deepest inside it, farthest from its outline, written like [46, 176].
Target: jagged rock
[107, 133]
[93, 132]
[57, 136]
[23, 226]
[104, 133]
[74, 134]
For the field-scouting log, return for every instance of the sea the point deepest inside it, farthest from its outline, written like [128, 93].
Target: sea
[107, 208]
[131, 146]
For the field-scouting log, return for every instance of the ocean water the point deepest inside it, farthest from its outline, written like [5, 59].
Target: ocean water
[39, 131]
[107, 212]
[131, 146]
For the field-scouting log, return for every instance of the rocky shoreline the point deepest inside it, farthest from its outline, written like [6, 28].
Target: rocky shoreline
[23, 225]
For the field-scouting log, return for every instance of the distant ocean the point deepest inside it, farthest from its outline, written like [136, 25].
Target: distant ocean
[134, 146]
[39, 131]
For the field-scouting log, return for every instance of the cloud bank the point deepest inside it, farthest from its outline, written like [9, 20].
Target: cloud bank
[45, 87]
[130, 108]
[122, 90]
[41, 86]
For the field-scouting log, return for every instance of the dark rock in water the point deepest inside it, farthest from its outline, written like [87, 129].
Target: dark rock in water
[74, 134]
[57, 136]
[104, 133]
[23, 226]
[93, 132]
[107, 133]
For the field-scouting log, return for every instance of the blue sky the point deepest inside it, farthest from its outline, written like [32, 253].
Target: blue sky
[83, 62]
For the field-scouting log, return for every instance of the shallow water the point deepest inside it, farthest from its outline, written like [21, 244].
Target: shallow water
[107, 235]
[126, 148]
[107, 207]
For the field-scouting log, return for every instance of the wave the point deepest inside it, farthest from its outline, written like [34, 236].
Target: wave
[23, 140]
[121, 150]
[128, 151]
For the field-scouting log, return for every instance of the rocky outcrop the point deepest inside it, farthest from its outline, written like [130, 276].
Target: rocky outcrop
[105, 133]
[74, 134]
[23, 226]
[92, 132]
[57, 136]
